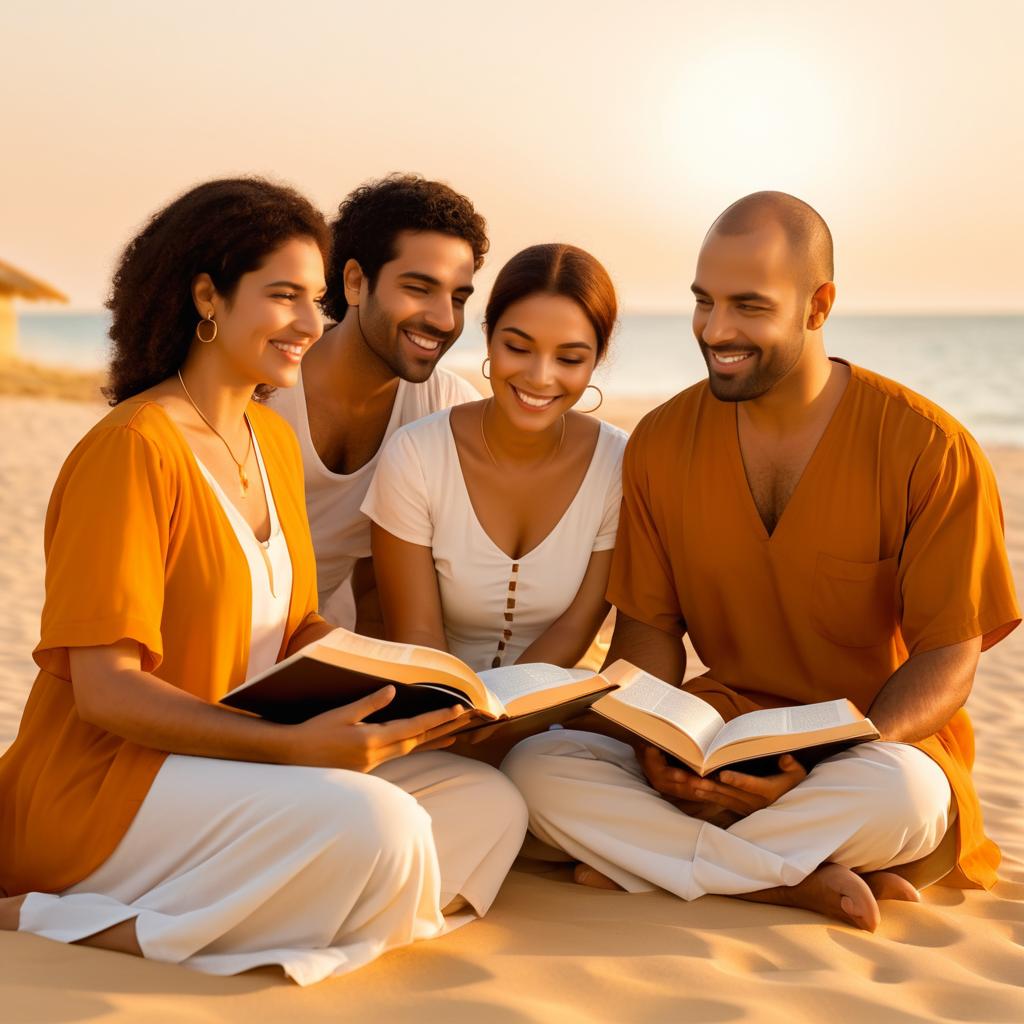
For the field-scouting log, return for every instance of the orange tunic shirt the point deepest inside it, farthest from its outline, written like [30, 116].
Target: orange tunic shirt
[892, 544]
[137, 547]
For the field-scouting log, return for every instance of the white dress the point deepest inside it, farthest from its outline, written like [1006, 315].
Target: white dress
[341, 533]
[230, 865]
[494, 606]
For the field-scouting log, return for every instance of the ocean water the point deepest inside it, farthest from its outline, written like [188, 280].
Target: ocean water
[971, 366]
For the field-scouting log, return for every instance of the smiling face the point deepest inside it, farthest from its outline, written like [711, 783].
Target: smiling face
[268, 324]
[750, 314]
[543, 351]
[416, 308]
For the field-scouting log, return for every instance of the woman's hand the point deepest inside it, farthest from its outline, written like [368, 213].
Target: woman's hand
[341, 739]
[112, 693]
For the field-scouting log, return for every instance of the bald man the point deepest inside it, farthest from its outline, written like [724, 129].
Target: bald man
[820, 532]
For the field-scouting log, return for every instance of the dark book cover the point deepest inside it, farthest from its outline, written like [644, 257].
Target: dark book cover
[308, 687]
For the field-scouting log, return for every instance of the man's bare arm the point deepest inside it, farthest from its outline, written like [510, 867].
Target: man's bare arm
[924, 693]
[651, 649]
[648, 648]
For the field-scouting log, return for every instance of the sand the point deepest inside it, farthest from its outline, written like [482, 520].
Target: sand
[24, 378]
[550, 950]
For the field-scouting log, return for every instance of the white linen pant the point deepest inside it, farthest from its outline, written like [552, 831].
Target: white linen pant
[231, 865]
[875, 805]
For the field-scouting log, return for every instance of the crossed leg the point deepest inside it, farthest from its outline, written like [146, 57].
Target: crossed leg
[226, 859]
[825, 845]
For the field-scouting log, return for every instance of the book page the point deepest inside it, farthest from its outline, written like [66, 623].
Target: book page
[404, 663]
[786, 721]
[513, 681]
[385, 650]
[691, 715]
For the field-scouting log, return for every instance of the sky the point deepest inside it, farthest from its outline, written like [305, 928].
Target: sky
[621, 127]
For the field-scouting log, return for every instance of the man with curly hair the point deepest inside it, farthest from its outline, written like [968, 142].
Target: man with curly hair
[404, 253]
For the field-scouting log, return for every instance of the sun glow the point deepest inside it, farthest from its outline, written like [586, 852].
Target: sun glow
[751, 117]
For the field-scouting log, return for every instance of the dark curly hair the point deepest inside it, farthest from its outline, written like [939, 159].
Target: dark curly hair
[371, 218]
[223, 228]
[557, 269]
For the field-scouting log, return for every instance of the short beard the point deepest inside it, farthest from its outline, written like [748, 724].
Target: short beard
[381, 336]
[759, 382]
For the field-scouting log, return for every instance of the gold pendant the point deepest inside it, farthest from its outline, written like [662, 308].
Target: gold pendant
[243, 480]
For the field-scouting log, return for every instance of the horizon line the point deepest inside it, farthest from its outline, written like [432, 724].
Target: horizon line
[908, 312]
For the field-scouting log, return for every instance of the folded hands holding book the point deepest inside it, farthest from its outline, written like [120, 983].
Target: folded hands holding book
[722, 800]
[722, 771]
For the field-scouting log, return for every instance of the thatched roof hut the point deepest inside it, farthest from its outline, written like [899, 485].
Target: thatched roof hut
[16, 284]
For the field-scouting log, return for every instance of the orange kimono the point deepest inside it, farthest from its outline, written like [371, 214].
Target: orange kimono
[137, 547]
[891, 545]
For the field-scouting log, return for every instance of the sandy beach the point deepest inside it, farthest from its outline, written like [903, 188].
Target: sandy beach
[550, 950]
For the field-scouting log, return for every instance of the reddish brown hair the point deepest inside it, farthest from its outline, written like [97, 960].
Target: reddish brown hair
[557, 269]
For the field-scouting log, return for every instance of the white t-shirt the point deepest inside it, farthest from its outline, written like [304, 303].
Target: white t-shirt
[494, 606]
[341, 533]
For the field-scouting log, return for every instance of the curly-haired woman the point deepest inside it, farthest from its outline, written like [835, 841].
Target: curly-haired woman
[135, 813]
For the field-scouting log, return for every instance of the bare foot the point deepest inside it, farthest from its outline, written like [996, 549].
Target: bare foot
[455, 906]
[10, 913]
[584, 874]
[121, 938]
[887, 885]
[831, 890]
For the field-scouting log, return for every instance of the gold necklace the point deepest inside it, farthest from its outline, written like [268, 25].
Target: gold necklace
[487, 447]
[243, 477]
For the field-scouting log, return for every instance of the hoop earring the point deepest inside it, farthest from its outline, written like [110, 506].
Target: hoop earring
[600, 398]
[199, 329]
[483, 369]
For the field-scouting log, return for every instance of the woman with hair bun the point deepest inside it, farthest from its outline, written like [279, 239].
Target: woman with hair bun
[494, 521]
[136, 813]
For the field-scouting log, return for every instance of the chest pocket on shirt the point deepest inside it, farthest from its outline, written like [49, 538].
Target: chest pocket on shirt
[854, 603]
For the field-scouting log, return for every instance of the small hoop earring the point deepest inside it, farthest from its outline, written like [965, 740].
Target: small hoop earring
[600, 398]
[199, 329]
[483, 369]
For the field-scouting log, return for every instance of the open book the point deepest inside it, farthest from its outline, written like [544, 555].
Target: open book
[343, 666]
[693, 731]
